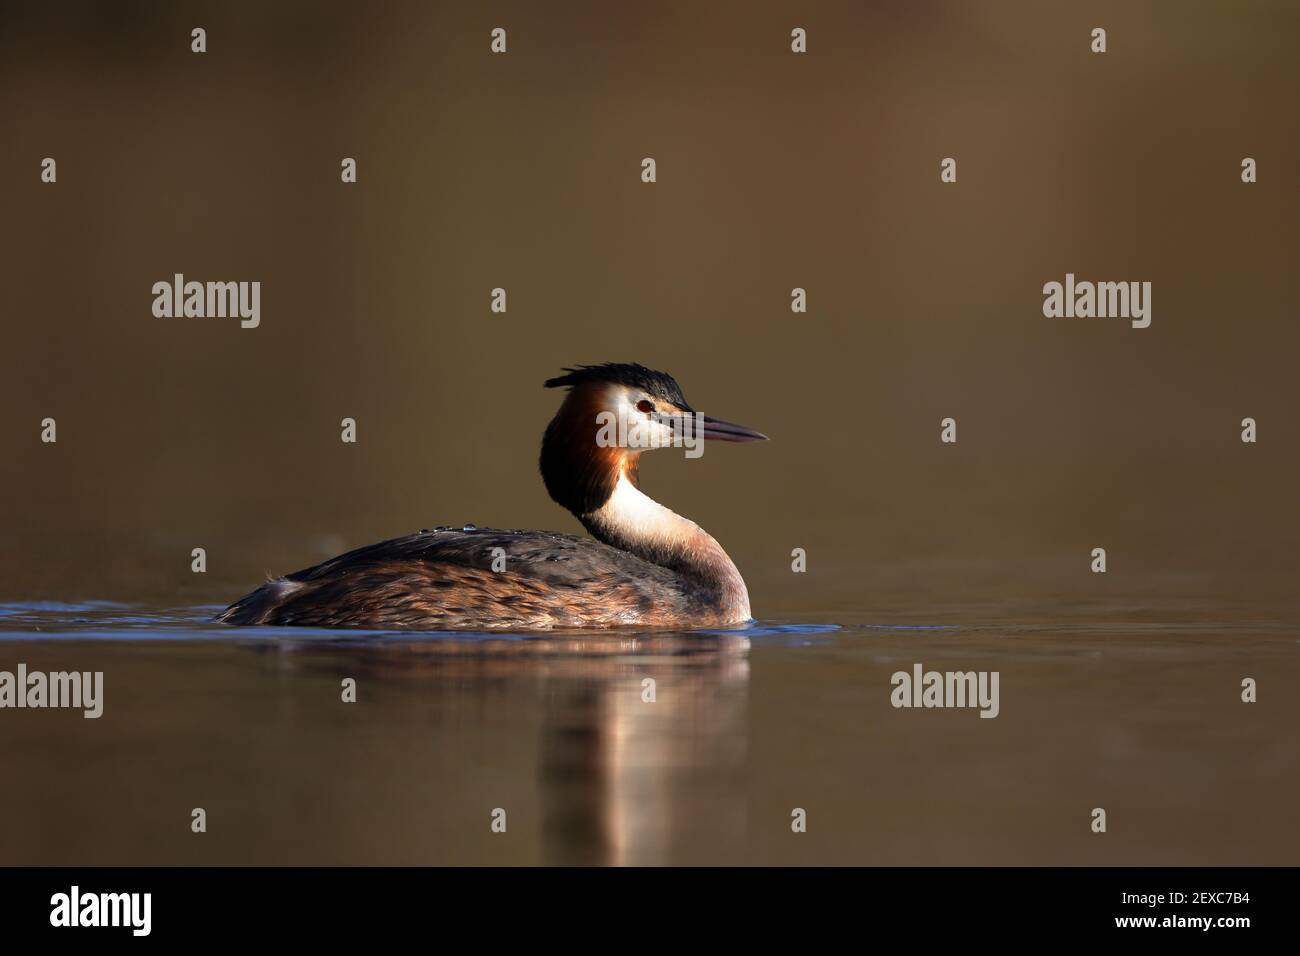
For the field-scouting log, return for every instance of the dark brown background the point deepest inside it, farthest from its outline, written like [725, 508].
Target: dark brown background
[775, 171]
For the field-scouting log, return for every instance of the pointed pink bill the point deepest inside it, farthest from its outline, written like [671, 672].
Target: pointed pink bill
[718, 430]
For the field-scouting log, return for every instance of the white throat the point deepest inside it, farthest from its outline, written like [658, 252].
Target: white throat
[633, 521]
[634, 513]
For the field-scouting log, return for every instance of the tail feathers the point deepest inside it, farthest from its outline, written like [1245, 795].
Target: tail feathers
[260, 606]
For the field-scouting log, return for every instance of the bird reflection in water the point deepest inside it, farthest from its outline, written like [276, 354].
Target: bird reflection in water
[622, 779]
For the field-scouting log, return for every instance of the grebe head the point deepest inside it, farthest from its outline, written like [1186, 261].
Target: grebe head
[612, 413]
[591, 456]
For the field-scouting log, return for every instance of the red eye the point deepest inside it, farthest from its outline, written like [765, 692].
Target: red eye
[645, 405]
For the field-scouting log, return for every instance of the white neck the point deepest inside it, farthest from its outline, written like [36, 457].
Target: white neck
[633, 521]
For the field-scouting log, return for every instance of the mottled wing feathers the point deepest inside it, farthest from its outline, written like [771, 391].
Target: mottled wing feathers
[446, 579]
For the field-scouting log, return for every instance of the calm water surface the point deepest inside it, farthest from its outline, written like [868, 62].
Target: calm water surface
[1143, 719]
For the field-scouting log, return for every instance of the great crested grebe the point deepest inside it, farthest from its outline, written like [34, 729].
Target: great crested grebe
[648, 566]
